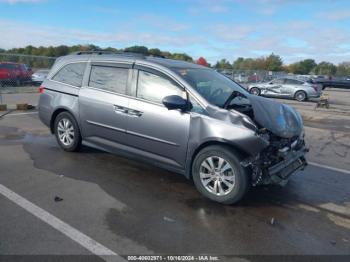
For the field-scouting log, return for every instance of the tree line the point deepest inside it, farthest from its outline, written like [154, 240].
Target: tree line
[271, 62]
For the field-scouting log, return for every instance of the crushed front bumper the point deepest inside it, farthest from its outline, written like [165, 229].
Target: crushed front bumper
[265, 173]
[292, 162]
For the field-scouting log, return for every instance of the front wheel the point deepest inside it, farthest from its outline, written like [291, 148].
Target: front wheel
[219, 176]
[300, 96]
[67, 132]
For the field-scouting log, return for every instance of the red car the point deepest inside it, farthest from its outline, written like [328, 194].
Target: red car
[14, 73]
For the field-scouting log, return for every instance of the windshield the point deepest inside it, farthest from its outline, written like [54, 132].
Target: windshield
[213, 86]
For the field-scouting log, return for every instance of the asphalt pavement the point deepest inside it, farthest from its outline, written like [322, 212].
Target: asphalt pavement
[92, 204]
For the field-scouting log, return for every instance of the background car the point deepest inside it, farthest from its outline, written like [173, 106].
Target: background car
[39, 76]
[298, 89]
[14, 73]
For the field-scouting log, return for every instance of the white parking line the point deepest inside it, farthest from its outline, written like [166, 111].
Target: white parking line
[77, 236]
[20, 114]
[330, 168]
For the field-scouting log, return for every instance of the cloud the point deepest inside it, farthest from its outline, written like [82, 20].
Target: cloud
[21, 34]
[336, 15]
[230, 32]
[12, 2]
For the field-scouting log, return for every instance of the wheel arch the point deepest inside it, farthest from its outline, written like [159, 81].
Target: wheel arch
[300, 90]
[56, 113]
[241, 153]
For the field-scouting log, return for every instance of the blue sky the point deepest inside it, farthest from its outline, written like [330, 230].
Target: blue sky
[215, 29]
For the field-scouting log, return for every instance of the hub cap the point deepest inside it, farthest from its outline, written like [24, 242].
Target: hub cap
[65, 131]
[217, 176]
[255, 91]
[300, 96]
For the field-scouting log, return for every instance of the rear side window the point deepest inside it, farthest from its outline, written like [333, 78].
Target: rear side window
[154, 88]
[109, 78]
[71, 74]
[293, 82]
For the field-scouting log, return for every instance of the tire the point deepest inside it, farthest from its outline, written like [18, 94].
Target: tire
[67, 132]
[18, 82]
[300, 96]
[255, 91]
[239, 176]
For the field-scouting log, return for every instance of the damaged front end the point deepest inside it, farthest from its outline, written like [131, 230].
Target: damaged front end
[277, 162]
[281, 127]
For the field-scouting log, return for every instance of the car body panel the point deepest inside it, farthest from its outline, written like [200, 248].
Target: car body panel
[283, 89]
[146, 130]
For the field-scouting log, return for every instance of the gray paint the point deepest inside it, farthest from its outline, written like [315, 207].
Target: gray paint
[165, 138]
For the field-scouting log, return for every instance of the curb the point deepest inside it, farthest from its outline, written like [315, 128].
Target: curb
[22, 107]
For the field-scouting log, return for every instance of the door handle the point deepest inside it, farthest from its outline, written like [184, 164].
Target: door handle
[120, 109]
[134, 113]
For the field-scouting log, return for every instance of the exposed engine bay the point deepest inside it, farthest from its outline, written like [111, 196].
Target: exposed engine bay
[282, 127]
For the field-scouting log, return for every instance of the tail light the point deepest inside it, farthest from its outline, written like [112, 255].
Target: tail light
[315, 87]
[41, 89]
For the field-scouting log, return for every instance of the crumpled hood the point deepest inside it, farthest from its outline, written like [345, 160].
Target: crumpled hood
[282, 120]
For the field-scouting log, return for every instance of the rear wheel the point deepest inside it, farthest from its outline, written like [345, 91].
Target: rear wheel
[218, 175]
[255, 91]
[67, 132]
[18, 82]
[300, 96]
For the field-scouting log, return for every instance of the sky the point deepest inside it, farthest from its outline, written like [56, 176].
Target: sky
[214, 29]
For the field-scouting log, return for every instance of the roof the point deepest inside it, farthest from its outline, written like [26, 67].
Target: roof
[131, 57]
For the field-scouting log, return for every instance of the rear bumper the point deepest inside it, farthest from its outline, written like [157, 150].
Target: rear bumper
[314, 95]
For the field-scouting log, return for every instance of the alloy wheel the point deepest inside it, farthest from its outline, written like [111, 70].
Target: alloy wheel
[65, 131]
[217, 176]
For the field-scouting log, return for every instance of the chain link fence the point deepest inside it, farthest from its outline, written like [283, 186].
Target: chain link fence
[252, 76]
[20, 76]
[17, 70]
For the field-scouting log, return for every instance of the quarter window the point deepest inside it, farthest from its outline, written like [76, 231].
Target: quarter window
[293, 82]
[154, 88]
[71, 74]
[109, 78]
[278, 81]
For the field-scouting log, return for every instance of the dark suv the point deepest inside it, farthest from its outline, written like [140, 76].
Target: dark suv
[177, 115]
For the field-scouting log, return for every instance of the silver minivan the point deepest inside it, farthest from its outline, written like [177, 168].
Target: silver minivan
[176, 115]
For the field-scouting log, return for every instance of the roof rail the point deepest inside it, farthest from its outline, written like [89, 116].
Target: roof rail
[100, 52]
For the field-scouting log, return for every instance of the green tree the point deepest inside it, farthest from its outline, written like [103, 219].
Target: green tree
[343, 69]
[137, 49]
[155, 52]
[223, 64]
[325, 68]
[273, 63]
[303, 67]
[181, 56]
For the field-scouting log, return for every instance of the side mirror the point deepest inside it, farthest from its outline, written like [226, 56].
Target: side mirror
[175, 102]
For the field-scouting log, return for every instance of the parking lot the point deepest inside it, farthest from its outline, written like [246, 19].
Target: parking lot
[94, 203]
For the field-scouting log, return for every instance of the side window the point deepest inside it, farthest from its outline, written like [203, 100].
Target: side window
[196, 107]
[293, 82]
[109, 78]
[154, 88]
[71, 74]
[279, 81]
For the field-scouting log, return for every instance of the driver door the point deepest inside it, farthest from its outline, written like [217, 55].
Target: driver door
[160, 133]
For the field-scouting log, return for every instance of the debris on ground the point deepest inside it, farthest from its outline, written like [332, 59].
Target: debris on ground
[272, 221]
[58, 199]
[333, 242]
[345, 240]
[168, 219]
[323, 102]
